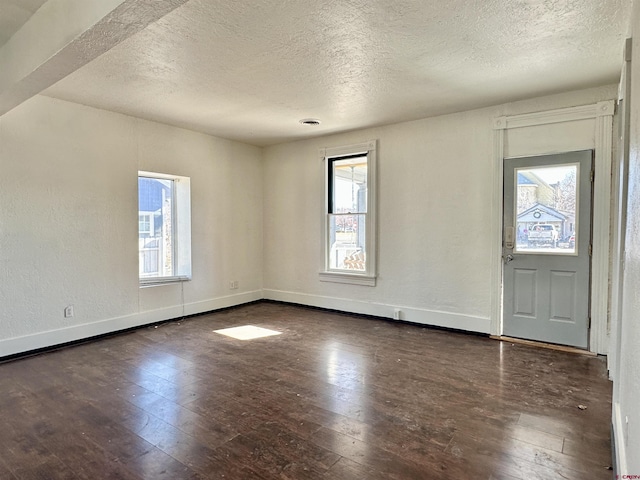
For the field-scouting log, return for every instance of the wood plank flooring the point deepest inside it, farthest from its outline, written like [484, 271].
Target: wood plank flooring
[334, 396]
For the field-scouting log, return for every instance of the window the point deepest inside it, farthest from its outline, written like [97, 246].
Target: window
[145, 225]
[547, 213]
[349, 223]
[164, 228]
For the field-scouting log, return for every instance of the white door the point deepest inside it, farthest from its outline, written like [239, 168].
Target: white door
[546, 248]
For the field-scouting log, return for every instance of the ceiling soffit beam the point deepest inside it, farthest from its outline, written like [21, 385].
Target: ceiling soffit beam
[64, 35]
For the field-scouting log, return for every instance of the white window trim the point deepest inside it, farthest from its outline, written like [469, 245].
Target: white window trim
[156, 281]
[368, 277]
[182, 237]
[603, 113]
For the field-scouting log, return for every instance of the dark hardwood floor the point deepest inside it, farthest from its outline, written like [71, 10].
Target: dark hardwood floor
[333, 397]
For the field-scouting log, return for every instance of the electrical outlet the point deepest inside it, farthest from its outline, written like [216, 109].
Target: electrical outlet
[233, 284]
[397, 314]
[68, 311]
[236, 284]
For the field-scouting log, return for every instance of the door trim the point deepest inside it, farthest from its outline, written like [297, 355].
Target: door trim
[603, 113]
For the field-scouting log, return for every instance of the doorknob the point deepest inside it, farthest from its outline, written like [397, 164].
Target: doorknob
[508, 258]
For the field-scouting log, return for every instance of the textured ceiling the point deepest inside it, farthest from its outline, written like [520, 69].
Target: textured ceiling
[250, 70]
[13, 14]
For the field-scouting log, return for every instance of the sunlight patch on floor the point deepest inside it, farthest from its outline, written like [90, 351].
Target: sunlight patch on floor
[247, 332]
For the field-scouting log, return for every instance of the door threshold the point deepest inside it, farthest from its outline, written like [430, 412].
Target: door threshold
[550, 346]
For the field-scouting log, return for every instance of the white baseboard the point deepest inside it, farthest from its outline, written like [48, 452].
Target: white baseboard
[619, 442]
[409, 314]
[17, 345]
[13, 346]
[222, 302]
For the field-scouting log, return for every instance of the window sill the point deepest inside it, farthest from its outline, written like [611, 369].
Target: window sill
[156, 282]
[349, 278]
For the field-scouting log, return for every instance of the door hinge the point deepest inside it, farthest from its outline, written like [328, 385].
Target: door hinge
[590, 250]
[592, 175]
[589, 323]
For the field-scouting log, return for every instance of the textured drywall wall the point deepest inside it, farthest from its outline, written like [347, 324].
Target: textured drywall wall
[435, 187]
[426, 231]
[628, 378]
[68, 174]
[68, 221]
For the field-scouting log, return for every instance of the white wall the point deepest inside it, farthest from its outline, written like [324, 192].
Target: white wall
[68, 222]
[69, 231]
[627, 379]
[434, 204]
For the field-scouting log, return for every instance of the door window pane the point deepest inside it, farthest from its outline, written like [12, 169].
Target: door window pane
[546, 209]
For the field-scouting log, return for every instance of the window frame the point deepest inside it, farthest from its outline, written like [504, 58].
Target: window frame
[367, 277]
[181, 230]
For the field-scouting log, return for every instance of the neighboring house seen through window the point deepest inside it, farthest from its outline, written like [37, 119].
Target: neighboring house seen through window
[164, 228]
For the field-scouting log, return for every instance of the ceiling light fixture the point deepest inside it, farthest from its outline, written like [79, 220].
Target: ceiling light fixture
[310, 121]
